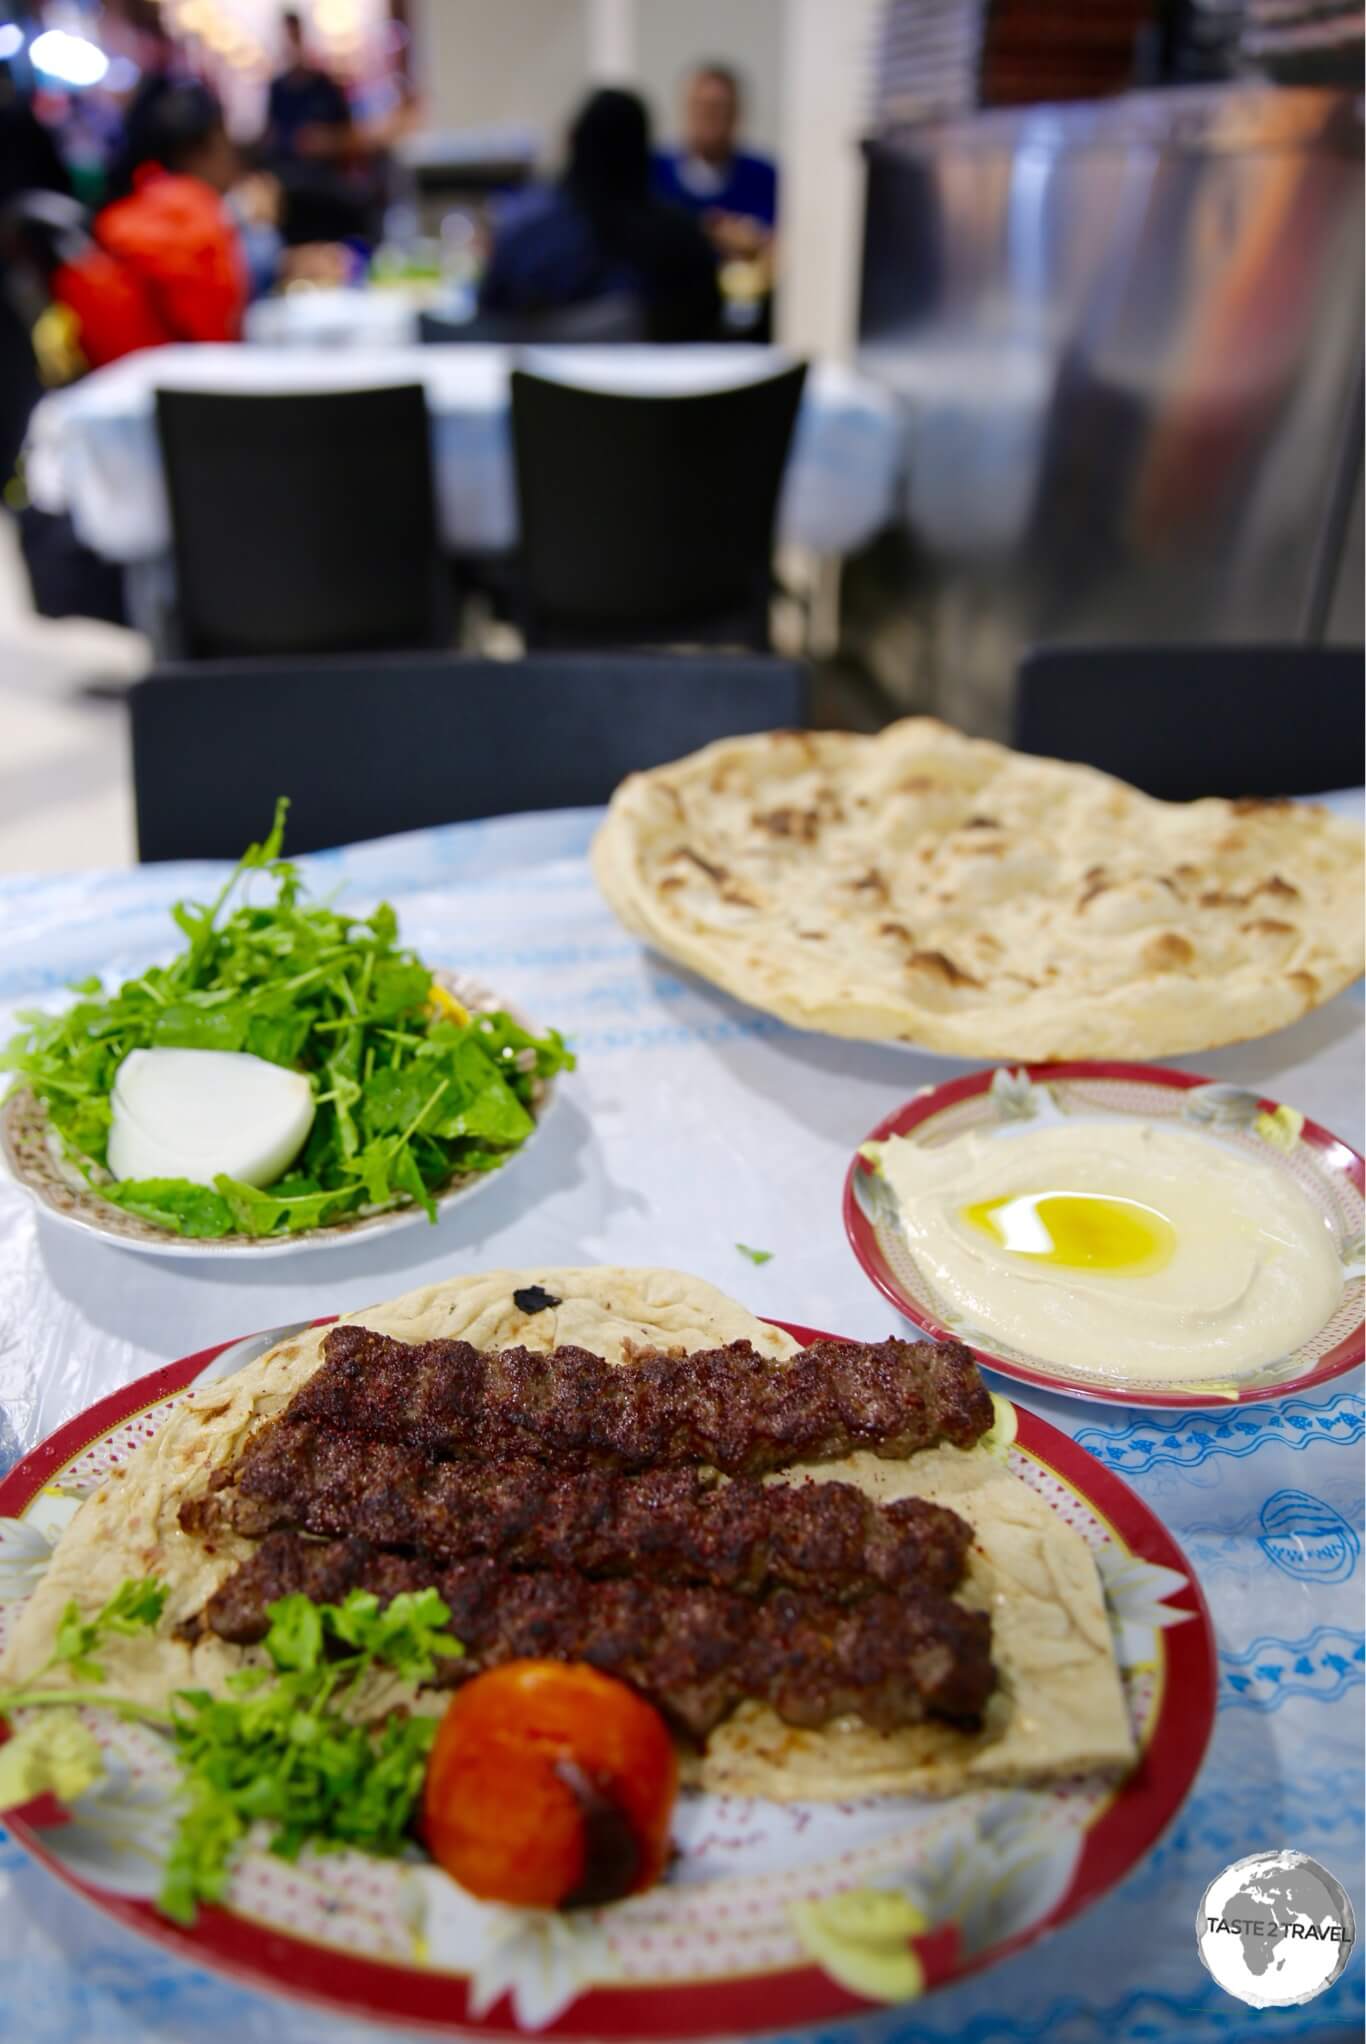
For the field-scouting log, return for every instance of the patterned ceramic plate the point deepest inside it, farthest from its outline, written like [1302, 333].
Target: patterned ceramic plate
[766, 1921]
[1329, 1173]
[33, 1156]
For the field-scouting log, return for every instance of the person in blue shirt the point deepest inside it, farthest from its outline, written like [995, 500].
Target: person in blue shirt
[600, 233]
[733, 192]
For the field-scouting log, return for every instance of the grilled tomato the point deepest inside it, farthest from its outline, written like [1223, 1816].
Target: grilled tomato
[550, 1785]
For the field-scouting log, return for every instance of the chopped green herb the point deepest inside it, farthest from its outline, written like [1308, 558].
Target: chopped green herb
[278, 1750]
[755, 1255]
[410, 1090]
[134, 1607]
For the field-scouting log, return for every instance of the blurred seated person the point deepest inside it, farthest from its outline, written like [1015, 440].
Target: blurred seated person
[165, 261]
[731, 191]
[600, 232]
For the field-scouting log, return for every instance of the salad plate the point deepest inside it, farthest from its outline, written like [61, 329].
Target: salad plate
[1003, 1102]
[293, 1077]
[35, 1161]
[773, 1914]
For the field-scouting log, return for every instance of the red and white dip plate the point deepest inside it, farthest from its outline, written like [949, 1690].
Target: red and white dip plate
[719, 1949]
[1329, 1173]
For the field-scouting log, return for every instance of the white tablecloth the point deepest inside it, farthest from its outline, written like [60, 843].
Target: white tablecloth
[691, 1125]
[93, 449]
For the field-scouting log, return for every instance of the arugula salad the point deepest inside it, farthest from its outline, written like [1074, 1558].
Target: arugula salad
[410, 1090]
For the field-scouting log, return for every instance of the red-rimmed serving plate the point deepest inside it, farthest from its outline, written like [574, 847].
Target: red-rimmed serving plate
[1329, 1173]
[716, 1950]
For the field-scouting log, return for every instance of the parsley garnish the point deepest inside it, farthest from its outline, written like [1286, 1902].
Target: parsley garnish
[279, 1749]
[755, 1255]
[410, 1090]
[134, 1607]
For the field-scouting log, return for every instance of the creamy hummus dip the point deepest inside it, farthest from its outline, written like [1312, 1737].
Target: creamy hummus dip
[1118, 1249]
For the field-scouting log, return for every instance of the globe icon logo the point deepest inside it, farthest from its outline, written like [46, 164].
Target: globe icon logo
[1275, 1929]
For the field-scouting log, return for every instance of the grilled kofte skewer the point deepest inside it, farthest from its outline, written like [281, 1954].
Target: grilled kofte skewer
[732, 1408]
[694, 1652]
[667, 1525]
[410, 1461]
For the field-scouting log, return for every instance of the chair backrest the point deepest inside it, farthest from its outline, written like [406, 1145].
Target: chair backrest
[365, 748]
[647, 517]
[616, 317]
[302, 523]
[1185, 721]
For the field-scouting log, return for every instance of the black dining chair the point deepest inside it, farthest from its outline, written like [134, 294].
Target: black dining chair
[649, 519]
[1183, 721]
[365, 747]
[302, 523]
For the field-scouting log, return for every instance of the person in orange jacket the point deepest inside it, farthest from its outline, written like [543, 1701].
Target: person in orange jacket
[165, 260]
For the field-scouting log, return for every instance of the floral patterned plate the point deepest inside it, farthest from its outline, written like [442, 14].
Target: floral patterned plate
[30, 1150]
[1330, 1174]
[773, 1916]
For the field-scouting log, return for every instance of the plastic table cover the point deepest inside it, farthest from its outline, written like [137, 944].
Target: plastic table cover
[692, 1124]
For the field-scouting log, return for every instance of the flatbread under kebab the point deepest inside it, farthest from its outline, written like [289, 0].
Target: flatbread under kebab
[1058, 1709]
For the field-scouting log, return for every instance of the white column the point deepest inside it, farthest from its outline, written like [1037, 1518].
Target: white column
[612, 43]
[827, 80]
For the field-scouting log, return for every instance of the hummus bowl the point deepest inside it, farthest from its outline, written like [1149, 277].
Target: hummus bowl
[1240, 1149]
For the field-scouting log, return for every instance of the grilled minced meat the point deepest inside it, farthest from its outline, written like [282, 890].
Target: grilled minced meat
[730, 1407]
[567, 1507]
[693, 1652]
[668, 1525]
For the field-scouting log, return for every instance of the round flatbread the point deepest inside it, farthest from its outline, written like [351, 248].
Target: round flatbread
[945, 891]
[1059, 1708]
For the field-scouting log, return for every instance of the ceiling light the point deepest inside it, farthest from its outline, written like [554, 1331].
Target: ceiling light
[70, 59]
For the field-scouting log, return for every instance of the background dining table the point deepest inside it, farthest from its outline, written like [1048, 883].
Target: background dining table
[92, 448]
[692, 1125]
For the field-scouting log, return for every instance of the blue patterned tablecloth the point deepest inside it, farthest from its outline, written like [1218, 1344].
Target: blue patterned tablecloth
[694, 1124]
